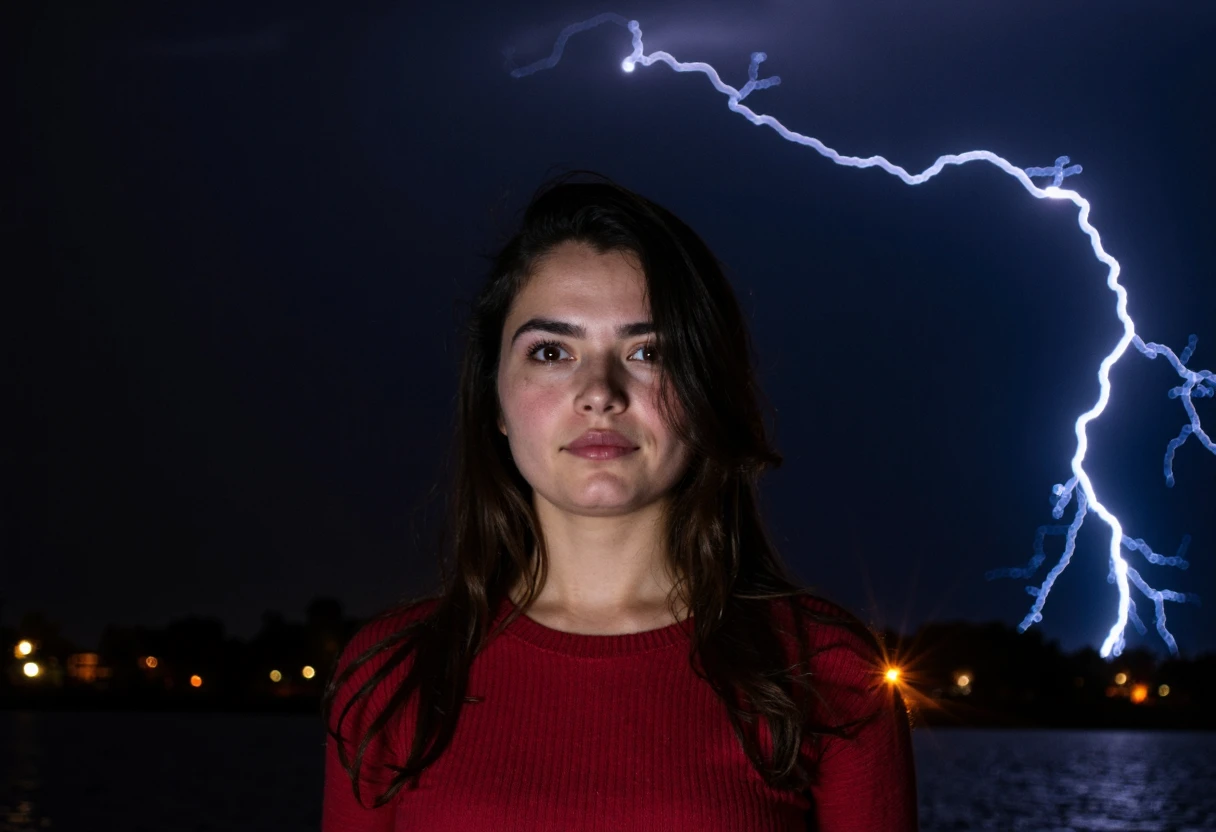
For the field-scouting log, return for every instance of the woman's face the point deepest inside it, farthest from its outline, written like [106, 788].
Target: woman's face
[593, 375]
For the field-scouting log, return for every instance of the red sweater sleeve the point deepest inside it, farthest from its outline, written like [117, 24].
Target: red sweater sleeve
[865, 782]
[340, 811]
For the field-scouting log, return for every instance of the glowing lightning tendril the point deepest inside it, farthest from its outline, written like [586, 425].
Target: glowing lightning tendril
[1194, 384]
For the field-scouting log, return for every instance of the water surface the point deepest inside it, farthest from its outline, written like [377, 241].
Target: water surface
[257, 773]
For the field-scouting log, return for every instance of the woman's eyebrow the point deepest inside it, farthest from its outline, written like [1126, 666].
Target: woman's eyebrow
[569, 330]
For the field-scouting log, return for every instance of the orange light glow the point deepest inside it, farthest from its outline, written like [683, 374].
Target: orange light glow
[1120, 678]
[23, 649]
[196, 681]
[276, 676]
[892, 674]
[31, 669]
[85, 667]
[308, 672]
[150, 661]
[1139, 693]
[1164, 690]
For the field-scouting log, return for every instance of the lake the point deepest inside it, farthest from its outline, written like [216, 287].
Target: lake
[252, 773]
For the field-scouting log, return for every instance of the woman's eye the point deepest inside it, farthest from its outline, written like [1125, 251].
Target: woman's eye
[549, 352]
[648, 348]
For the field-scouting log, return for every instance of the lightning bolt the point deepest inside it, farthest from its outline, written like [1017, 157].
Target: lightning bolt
[1195, 384]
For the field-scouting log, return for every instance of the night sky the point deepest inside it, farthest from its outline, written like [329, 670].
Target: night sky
[240, 240]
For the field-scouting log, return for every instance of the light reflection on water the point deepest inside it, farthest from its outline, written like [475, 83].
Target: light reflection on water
[247, 772]
[1106, 781]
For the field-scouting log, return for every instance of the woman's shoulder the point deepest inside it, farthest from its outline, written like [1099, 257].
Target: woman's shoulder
[846, 660]
[373, 645]
[394, 622]
[825, 623]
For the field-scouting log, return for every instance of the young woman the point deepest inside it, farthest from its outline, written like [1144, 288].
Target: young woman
[619, 646]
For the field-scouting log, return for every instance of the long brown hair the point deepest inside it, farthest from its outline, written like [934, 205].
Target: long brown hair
[725, 566]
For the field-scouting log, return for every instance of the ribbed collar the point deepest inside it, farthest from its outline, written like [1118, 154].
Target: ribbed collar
[592, 646]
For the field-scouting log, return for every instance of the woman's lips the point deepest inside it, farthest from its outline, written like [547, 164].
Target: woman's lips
[601, 451]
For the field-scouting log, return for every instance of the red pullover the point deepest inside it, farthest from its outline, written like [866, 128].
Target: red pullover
[594, 732]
